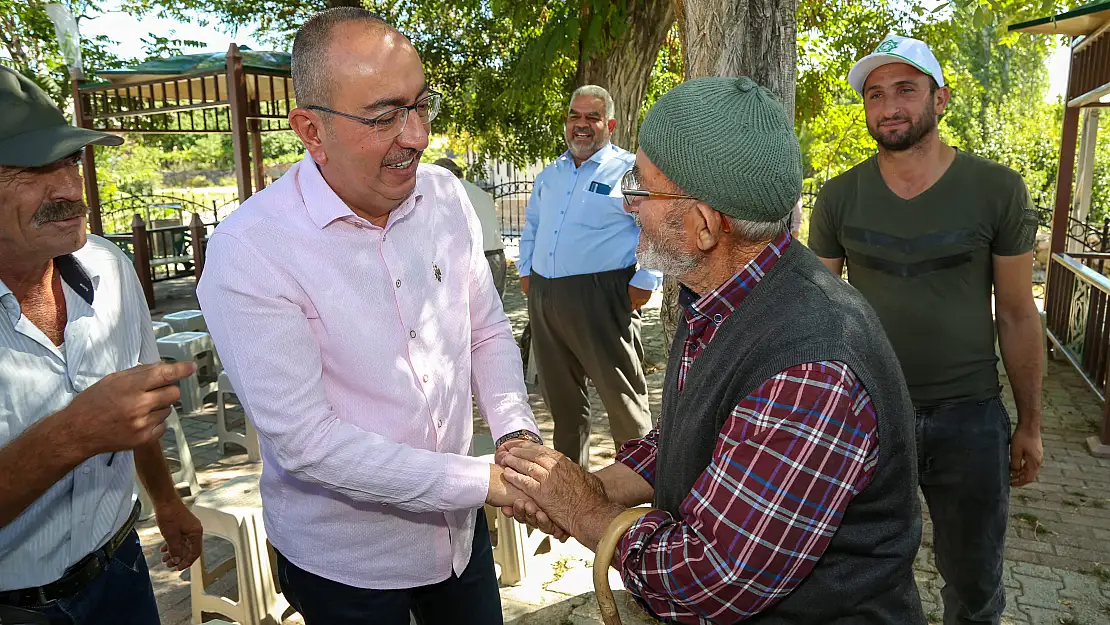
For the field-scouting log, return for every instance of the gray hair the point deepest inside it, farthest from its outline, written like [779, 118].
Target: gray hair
[311, 77]
[760, 231]
[596, 92]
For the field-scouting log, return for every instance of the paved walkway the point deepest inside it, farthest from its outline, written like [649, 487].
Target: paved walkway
[1058, 545]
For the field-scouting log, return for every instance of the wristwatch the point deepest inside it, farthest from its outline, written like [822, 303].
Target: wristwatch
[519, 434]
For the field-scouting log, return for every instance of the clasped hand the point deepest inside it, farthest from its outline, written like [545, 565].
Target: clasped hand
[556, 491]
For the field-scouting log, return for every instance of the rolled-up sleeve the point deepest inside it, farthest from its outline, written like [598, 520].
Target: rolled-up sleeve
[258, 318]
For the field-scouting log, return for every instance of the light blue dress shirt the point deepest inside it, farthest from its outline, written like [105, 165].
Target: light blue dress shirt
[576, 224]
[108, 330]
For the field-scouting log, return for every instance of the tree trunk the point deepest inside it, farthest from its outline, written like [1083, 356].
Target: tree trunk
[754, 38]
[624, 69]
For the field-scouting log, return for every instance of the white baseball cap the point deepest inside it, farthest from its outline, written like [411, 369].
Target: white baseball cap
[896, 49]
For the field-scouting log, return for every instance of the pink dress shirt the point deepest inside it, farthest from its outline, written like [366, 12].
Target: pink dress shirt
[353, 349]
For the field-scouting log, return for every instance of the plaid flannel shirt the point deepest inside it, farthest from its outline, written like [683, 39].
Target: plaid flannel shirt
[787, 462]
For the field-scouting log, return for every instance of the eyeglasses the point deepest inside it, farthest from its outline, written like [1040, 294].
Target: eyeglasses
[392, 122]
[630, 189]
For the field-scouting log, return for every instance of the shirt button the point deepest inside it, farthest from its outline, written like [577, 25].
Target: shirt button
[718, 318]
[556, 232]
[441, 423]
[398, 284]
[412, 334]
[85, 470]
[84, 517]
[425, 378]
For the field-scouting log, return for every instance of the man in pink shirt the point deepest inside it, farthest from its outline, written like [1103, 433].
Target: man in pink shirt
[353, 308]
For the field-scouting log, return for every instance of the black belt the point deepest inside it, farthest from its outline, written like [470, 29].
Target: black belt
[77, 576]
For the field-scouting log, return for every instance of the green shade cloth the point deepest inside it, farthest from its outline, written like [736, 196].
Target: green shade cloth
[205, 62]
[729, 143]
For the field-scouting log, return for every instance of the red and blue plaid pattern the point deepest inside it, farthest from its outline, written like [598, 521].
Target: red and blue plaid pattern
[789, 459]
[704, 316]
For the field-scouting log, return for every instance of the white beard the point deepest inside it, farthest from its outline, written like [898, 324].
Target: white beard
[653, 256]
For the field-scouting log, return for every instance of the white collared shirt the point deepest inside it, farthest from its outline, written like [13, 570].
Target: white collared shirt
[355, 350]
[108, 330]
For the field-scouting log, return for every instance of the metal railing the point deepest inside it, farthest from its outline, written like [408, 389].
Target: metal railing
[163, 253]
[1077, 315]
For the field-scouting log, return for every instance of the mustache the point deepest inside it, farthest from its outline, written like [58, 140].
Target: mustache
[58, 211]
[896, 118]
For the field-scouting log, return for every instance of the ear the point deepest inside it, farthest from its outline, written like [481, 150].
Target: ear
[941, 98]
[612, 124]
[309, 128]
[710, 226]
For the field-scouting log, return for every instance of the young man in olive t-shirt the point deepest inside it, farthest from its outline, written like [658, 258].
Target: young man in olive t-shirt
[928, 231]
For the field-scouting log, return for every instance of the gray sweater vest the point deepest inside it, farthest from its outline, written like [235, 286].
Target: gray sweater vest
[800, 313]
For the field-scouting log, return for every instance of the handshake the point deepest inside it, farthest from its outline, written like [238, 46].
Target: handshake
[543, 488]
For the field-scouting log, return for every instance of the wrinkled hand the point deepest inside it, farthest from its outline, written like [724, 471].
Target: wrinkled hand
[126, 409]
[501, 493]
[183, 533]
[560, 488]
[1026, 456]
[638, 297]
[526, 511]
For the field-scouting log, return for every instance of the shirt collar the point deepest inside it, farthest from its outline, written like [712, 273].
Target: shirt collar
[324, 206]
[716, 306]
[598, 157]
[72, 272]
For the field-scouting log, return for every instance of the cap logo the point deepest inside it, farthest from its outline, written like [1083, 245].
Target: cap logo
[886, 46]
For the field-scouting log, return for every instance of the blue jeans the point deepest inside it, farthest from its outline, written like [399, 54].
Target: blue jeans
[120, 595]
[964, 464]
[471, 599]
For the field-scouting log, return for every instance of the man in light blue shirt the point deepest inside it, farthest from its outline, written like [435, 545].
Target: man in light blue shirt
[83, 396]
[578, 268]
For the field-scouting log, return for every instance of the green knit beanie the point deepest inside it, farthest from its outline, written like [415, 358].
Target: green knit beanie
[727, 142]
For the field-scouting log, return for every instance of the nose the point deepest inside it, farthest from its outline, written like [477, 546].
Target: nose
[68, 184]
[415, 134]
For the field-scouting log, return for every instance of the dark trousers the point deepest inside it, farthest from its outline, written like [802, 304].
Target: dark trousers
[472, 598]
[964, 465]
[584, 327]
[120, 595]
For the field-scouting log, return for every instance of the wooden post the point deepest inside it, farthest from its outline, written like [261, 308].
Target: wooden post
[1064, 178]
[256, 154]
[197, 230]
[237, 102]
[88, 164]
[140, 247]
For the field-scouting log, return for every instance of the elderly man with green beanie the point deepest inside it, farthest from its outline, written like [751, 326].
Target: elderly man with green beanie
[85, 393]
[782, 473]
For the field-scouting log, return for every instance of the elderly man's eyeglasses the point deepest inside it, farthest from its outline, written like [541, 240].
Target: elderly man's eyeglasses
[630, 189]
[392, 122]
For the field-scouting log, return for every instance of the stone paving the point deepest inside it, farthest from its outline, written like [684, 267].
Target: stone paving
[1057, 567]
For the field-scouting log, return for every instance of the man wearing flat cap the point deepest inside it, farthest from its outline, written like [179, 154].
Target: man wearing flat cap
[782, 473]
[84, 394]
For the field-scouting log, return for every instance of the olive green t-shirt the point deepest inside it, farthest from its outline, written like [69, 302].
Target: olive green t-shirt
[925, 265]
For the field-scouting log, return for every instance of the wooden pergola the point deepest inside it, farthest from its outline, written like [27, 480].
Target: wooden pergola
[243, 93]
[1077, 300]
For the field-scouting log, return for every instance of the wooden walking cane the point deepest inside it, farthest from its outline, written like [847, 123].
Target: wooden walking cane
[604, 557]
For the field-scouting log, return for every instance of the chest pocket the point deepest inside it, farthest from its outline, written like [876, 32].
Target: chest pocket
[600, 208]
